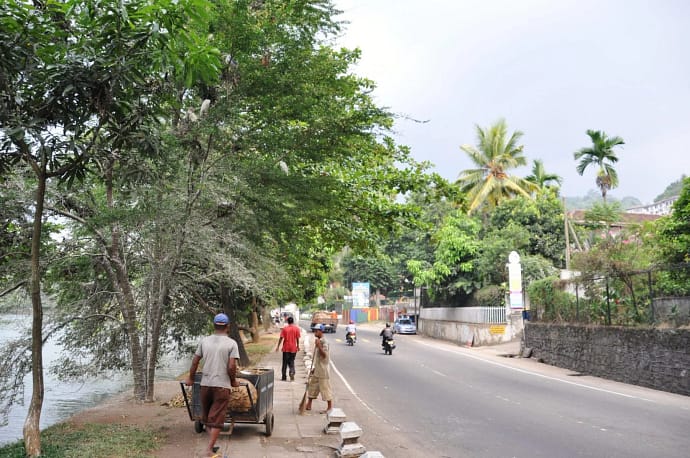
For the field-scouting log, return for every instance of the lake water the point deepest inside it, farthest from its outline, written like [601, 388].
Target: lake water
[63, 399]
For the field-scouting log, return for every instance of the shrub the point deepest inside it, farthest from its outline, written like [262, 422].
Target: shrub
[549, 302]
[491, 296]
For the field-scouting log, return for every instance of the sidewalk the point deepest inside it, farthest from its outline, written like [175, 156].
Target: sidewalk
[294, 435]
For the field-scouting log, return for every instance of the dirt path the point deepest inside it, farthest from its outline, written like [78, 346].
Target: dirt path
[172, 423]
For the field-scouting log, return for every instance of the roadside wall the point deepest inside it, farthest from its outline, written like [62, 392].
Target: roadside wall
[444, 323]
[654, 358]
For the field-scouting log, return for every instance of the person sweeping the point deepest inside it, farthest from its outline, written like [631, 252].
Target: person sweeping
[320, 381]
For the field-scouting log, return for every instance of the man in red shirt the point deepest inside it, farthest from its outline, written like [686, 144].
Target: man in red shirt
[289, 336]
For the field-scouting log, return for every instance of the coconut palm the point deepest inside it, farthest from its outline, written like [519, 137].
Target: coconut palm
[541, 178]
[495, 154]
[600, 153]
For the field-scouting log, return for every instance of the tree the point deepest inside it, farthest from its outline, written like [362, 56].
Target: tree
[378, 271]
[542, 217]
[621, 259]
[602, 155]
[603, 214]
[451, 276]
[541, 178]
[39, 112]
[318, 169]
[75, 90]
[495, 154]
[495, 246]
[533, 228]
[674, 241]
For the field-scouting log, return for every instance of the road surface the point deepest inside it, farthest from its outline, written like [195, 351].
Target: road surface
[435, 399]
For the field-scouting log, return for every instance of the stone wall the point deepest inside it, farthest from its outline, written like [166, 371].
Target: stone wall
[654, 358]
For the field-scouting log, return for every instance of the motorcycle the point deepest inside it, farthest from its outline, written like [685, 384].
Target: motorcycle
[350, 338]
[388, 346]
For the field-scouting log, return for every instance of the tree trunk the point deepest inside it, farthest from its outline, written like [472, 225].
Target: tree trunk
[128, 305]
[229, 309]
[266, 318]
[255, 321]
[160, 295]
[32, 429]
[120, 278]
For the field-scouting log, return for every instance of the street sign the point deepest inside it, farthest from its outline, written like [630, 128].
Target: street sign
[515, 280]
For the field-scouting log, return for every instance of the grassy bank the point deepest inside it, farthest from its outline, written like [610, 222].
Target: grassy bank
[66, 440]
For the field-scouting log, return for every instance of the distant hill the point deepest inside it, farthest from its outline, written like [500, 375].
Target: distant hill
[671, 190]
[592, 197]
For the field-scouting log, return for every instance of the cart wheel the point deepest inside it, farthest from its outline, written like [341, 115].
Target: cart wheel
[270, 420]
[198, 427]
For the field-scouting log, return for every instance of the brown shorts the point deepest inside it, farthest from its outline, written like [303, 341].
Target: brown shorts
[321, 386]
[214, 405]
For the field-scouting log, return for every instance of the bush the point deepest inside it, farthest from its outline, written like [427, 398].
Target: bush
[491, 296]
[549, 302]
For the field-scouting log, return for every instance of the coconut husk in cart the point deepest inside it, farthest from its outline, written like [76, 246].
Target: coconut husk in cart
[239, 396]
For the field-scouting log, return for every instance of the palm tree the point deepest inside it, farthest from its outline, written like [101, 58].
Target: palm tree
[600, 153]
[540, 178]
[495, 154]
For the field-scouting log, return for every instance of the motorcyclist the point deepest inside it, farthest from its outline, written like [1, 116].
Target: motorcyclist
[351, 329]
[386, 333]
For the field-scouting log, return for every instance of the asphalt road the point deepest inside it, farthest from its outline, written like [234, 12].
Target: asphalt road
[435, 399]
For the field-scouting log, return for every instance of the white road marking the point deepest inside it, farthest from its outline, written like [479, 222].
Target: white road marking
[349, 388]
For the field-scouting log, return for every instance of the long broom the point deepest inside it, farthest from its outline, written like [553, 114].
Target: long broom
[303, 404]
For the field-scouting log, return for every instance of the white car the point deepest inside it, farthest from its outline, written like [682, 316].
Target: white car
[404, 326]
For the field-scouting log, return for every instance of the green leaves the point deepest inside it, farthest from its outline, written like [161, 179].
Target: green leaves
[674, 234]
[456, 248]
[602, 155]
[496, 153]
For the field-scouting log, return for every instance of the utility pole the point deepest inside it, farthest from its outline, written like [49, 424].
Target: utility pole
[567, 236]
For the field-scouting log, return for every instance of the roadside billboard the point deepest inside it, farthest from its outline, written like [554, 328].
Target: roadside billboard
[360, 295]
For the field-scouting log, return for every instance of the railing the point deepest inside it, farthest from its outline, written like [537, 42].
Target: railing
[490, 315]
[660, 295]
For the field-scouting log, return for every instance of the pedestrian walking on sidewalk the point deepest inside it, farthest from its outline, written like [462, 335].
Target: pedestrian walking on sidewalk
[320, 381]
[289, 336]
[220, 354]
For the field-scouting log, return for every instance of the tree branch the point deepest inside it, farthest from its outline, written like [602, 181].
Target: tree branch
[12, 288]
[80, 220]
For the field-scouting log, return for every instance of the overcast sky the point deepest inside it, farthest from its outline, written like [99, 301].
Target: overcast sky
[551, 68]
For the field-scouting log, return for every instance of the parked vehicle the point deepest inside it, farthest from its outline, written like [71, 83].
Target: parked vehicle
[404, 326]
[328, 319]
[388, 346]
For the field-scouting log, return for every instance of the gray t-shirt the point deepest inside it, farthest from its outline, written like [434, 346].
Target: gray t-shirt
[215, 350]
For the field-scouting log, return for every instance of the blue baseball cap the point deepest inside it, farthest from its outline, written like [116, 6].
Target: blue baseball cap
[221, 318]
[321, 327]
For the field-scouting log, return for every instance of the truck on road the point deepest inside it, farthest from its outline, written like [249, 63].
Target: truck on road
[328, 319]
